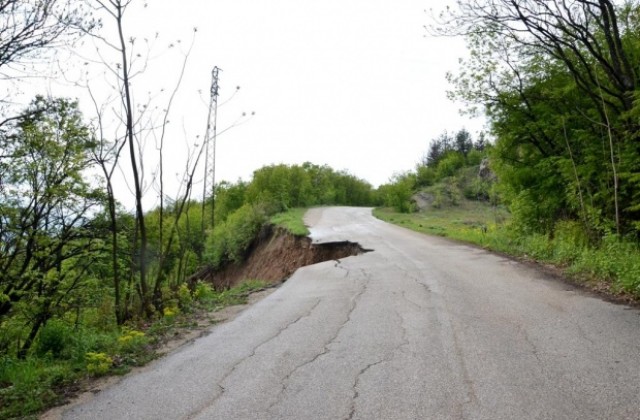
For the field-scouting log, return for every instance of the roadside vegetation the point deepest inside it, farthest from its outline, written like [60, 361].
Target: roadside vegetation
[559, 86]
[87, 286]
[292, 220]
[73, 349]
[613, 267]
[53, 339]
[454, 192]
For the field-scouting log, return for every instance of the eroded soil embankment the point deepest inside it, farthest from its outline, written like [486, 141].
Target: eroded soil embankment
[274, 256]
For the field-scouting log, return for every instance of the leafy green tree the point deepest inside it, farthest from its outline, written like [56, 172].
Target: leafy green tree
[557, 84]
[449, 164]
[287, 186]
[229, 198]
[321, 179]
[425, 176]
[397, 193]
[47, 243]
[229, 240]
[463, 142]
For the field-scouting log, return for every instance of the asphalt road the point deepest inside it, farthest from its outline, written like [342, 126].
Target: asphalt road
[420, 328]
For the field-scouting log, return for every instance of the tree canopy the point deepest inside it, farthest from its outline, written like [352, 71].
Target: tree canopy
[558, 81]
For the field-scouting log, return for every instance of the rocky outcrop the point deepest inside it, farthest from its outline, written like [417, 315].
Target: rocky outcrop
[485, 172]
[422, 200]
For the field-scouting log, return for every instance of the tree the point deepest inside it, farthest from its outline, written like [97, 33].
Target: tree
[397, 193]
[437, 149]
[116, 9]
[29, 26]
[557, 80]
[481, 143]
[107, 155]
[46, 239]
[463, 142]
[584, 35]
[139, 123]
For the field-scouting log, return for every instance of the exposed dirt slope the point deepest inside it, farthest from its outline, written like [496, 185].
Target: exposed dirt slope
[274, 256]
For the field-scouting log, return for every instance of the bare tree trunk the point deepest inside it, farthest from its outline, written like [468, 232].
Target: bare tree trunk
[101, 158]
[146, 297]
[613, 162]
[575, 173]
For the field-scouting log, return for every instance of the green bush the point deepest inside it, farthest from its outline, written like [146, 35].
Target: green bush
[425, 176]
[203, 292]
[132, 341]
[26, 385]
[570, 241]
[85, 340]
[98, 364]
[53, 338]
[474, 157]
[446, 193]
[230, 239]
[185, 300]
[616, 259]
[398, 192]
[477, 189]
[449, 165]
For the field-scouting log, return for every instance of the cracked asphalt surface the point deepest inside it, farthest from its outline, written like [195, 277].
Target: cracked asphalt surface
[420, 328]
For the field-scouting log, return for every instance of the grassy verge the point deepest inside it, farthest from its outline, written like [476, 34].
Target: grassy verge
[612, 267]
[292, 220]
[466, 222]
[70, 353]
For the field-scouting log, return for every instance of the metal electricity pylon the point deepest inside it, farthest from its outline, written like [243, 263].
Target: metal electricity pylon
[210, 148]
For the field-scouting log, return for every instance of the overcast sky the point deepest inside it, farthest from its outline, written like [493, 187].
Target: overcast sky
[354, 84]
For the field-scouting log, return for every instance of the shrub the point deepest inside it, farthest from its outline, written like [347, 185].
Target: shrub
[53, 338]
[132, 341]
[203, 292]
[449, 165]
[230, 240]
[98, 364]
[185, 300]
[26, 385]
[425, 176]
[170, 312]
[397, 194]
[570, 240]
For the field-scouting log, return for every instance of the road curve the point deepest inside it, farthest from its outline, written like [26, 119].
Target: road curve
[419, 328]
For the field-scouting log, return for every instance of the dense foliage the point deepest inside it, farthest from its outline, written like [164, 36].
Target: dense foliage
[85, 284]
[242, 209]
[61, 257]
[448, 171]
[71, 290]
[559, 84]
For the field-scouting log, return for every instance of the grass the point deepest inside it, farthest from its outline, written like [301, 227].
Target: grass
[612, 267]
[67, 354]
[292, 220]
[469, 221]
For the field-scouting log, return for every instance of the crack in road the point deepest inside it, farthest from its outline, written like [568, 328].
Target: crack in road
[325, 349]
[405, 337]
[341, 267]
[411, 276]
[387, 358]
[213, 400]
[356, 382]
